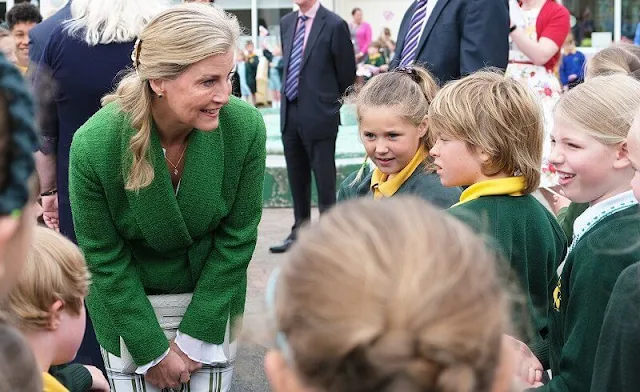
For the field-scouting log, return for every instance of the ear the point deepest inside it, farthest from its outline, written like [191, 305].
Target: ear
[622, 157]
[55, 315]
[482, 155]
[158, 86]
[423, 127]
[281, 377]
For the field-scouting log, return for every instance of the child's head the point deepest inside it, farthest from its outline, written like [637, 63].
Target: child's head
[21, 18]
[7, 46]
[569, 44]
[373, 49]
[486, 126]
[591, 125]
[18, 185]
[249, 46]
[392, 112]
[619, 58]
[391, 296]
[49, 296]
[18, 368]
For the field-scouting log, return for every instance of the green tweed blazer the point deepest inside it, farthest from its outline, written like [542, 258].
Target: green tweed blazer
[154, 242]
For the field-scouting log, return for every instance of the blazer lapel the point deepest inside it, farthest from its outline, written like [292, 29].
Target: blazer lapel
[404, 28]
[316, 28]
[437, 10]
[155, 207]
[287, 40]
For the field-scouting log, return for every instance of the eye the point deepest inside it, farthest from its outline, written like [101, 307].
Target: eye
[552, 140]
[574, 146]
[369, 136]
[208, 82]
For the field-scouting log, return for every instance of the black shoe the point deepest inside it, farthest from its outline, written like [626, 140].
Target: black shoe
[286, 244]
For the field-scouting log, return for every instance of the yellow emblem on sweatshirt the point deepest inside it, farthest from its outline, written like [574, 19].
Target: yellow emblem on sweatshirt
[557, 295]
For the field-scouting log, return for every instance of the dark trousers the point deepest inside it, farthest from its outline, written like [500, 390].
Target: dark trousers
[302, 157]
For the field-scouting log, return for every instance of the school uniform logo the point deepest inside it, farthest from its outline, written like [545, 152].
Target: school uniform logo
[557, 296]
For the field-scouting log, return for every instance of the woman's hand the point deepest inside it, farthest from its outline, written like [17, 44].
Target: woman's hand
[171, 372]
[50, 211]
[192, 366]
[99, 383]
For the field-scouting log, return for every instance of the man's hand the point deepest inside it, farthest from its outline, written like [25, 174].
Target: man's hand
[171, 372]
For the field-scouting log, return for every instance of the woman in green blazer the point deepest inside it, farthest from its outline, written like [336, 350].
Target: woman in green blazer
[166, 194]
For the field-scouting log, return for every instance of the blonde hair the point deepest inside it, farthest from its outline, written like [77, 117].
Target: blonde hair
[173, 41]
[110, 21]
[391, 296]
[498, 115]
[619, 58]
[603, 107]
[55, 270]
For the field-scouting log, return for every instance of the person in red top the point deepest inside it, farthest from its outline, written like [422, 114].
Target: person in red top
[538, 30]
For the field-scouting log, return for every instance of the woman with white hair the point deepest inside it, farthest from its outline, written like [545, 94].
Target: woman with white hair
[166, 191]
[80, 64]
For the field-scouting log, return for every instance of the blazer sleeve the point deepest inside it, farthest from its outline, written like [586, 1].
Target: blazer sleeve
[343, 55]
[224, 276]
[485, 36]
[116, 286]
[43, 90]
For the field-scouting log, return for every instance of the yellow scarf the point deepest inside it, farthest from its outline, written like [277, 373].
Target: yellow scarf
[512, 186]
[382, 187]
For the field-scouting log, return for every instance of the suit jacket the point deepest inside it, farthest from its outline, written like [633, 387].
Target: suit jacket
[39, 35]
[460, 37]
[154, 242]
[328, 69]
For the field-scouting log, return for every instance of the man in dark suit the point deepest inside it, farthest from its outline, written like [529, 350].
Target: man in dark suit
[319, 65]
[39, 35]
[453, 38]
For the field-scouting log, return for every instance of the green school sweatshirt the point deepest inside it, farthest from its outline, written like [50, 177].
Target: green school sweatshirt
[420, 183]
[617, 365]
[584, 289]
[533, 244]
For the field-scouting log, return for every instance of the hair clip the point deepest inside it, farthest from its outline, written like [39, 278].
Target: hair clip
[135, 54]
[409, 70]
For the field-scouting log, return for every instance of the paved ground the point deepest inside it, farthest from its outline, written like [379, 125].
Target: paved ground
[249, 375]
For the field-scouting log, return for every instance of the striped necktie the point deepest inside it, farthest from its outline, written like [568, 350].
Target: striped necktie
[413, 34]
[295, 62]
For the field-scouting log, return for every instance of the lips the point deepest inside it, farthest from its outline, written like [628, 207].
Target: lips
[210, 112]
[564, 177]
[384, 161]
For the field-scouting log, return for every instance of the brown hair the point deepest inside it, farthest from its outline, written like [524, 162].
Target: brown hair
[55, 270]
[498, 115]
[389, 296]
[619, 58]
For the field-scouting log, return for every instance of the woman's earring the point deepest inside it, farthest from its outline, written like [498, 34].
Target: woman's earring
[159, 95]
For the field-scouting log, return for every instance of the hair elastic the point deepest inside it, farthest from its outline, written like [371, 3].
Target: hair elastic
[135, 54]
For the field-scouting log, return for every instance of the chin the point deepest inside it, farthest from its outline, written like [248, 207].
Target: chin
[207, 126]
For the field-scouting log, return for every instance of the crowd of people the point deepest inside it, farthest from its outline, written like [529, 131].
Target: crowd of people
[434, 267]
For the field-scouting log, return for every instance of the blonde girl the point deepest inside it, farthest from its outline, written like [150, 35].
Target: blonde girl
[390, 296]
[392, 115]
[590, 153]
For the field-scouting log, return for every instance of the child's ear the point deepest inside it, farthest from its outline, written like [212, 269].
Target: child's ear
[423, 127]
[55, 315]
[622, 157]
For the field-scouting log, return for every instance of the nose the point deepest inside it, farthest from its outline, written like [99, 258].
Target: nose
[381, 146]
[555, 156]
[221, 97]
[435, 150]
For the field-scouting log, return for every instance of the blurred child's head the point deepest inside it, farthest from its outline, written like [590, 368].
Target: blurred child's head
[249, 46]
[7, 45]
[392, 112]
[49, 296]
[486, 126]
[18, 184]
[373, 49]
[569, 45]
[591, 124]
[633, 146]
[391, 296]
[619, 58]
[18, 368]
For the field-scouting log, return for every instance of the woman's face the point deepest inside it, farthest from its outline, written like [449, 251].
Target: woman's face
[357, 16]
[194, 98]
